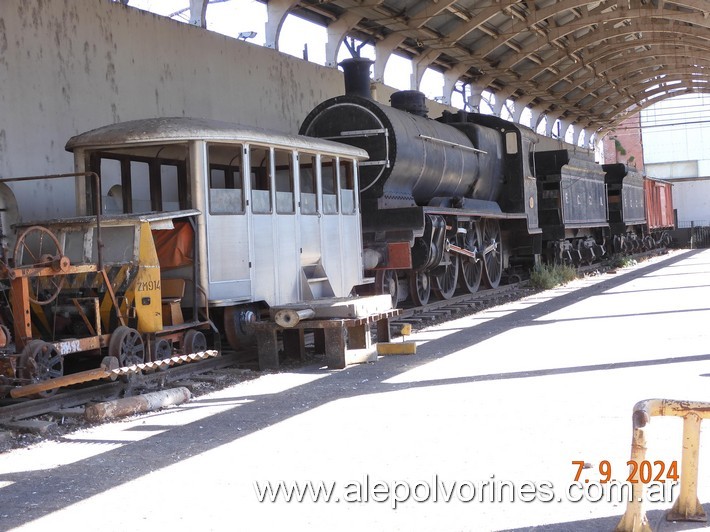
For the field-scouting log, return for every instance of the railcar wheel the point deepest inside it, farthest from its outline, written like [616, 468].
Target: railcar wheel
[38, 247]
[236, 325]
[162, 349]
[618, 243]
[419, 288]
[445, 277]
[471, 269]
[492, 253]
[126, 344]
[40, 361]
[386, 282]
[194, 342]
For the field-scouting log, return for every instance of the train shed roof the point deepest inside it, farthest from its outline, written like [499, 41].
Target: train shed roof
[591, 64]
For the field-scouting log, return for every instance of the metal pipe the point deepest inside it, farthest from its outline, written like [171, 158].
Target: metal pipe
[687, 507]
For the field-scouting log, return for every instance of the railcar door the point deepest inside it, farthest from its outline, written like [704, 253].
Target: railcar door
[227, 225]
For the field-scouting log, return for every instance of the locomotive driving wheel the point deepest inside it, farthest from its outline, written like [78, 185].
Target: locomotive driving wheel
[492, 252]
[40, 361]
[446, 276]
[126, 344]
[419, 288]
[471, 269]
[37, 247]
[387, 282]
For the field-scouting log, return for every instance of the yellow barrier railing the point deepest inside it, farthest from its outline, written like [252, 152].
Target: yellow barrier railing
[686, 507]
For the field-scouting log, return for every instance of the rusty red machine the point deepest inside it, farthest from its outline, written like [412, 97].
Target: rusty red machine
[80, 288]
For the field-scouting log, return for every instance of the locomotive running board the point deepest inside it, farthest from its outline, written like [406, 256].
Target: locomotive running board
[107, 372]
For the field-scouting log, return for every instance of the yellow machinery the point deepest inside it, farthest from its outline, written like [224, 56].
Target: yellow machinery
[87, 286]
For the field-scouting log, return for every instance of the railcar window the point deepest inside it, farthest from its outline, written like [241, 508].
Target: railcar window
[111, 188]
[309, 192]
[169, 187]
[329, 180]
[284, 181]
[347, 187]
[140, 179]
[511, 143]
[260, 162]
[226, 183]
[140, 187]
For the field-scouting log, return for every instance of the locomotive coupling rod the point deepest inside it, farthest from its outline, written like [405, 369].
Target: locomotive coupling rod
[687, 507]
[461, 251]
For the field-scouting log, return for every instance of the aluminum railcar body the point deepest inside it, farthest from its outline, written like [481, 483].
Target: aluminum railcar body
[279, 218]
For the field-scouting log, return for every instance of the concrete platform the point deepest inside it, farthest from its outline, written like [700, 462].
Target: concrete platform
[511, 396]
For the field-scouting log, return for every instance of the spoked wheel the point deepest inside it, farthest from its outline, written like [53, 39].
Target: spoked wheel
[162, 349]
[126, 344]
[194, 342]
[471, 269]
[37, 247]
[492, 253]
[419, 288]
[444, 277]
[386, 282]
[237, 328]
[40, 361]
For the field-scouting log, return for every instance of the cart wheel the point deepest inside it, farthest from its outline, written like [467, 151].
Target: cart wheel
[162, 349]
[37, 247]
[40, 361]
[126, 344]
[193, 342]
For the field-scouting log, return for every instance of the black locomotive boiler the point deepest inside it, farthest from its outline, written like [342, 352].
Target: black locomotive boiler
[453, 202]
[445, 203]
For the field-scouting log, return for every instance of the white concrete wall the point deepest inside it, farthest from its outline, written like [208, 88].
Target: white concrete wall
[67, 66]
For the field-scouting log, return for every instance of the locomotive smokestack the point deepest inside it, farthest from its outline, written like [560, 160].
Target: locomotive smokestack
[356, 71]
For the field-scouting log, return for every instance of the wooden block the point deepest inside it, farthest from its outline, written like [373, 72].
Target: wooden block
[397, 348]
[361, 356]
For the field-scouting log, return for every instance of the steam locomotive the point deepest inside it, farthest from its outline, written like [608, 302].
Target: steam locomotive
[453, 202]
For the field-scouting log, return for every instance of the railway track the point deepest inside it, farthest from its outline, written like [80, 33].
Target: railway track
[418, 317]
[442, 310]
[19, 409]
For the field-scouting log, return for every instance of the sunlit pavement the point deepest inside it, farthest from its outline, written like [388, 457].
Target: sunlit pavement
[499, 402]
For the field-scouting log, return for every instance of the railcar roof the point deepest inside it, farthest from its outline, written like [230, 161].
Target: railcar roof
[180, 129]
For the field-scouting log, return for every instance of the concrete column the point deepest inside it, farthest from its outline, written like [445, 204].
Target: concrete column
[519, 106]
[565, 125]
[498, 106]
[420, 65]
[451, 77]
[474, 101]
[276, 12]
[337, 31]
[383, 51]
[537, 116]
[198, 13]
[576, 132]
